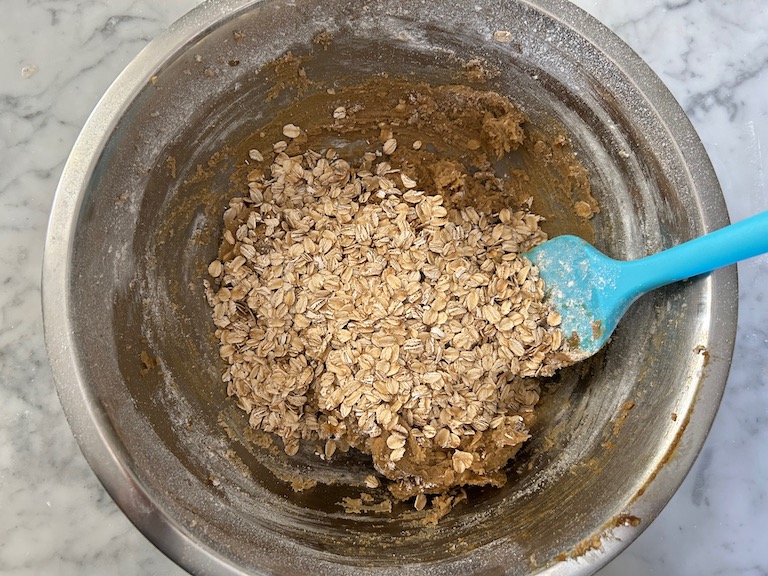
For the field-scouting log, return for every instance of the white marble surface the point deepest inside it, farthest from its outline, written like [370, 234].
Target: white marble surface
[56, 59]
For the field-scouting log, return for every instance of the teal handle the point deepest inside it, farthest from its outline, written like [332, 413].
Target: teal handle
[726, 246]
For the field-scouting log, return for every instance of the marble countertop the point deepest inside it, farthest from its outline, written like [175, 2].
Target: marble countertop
[57, 59]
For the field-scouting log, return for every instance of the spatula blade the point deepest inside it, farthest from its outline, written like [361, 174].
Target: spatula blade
[581, 284]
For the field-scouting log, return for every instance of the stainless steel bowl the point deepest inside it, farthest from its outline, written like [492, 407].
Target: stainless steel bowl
[128, 245]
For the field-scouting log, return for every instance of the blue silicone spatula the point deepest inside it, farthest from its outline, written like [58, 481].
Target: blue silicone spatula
[592, 292]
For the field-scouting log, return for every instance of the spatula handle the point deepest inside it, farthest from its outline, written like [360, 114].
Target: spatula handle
[731, 244]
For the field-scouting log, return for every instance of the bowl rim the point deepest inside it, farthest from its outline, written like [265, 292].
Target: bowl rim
[91, 427]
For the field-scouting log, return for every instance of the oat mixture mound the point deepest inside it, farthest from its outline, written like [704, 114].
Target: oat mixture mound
[354, 308]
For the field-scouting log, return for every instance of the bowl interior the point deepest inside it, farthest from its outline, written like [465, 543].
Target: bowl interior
[150, 222]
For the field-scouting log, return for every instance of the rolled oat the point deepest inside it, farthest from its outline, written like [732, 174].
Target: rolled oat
[353, 308]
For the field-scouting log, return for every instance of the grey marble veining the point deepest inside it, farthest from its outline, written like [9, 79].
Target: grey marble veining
[58, 57]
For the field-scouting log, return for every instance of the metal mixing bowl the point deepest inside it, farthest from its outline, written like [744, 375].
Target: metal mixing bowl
[130, 338]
